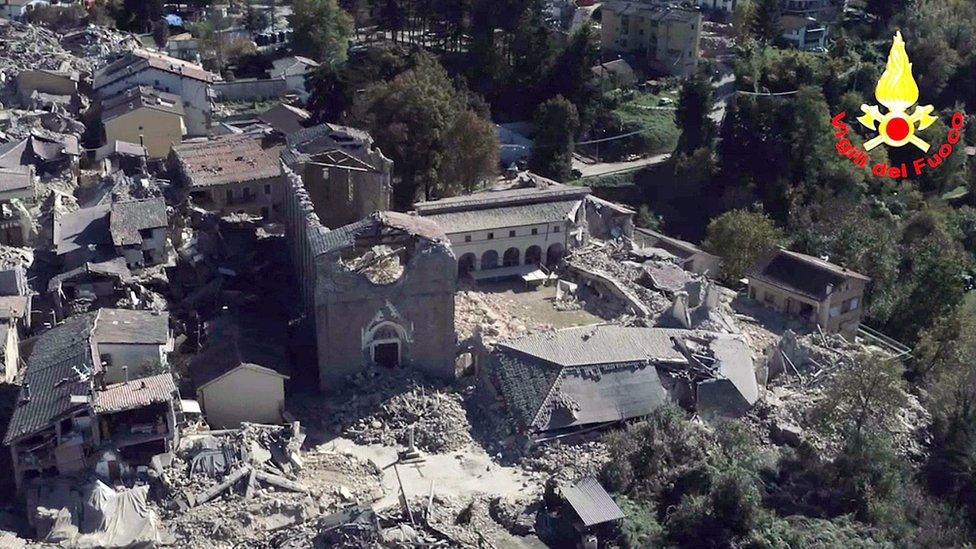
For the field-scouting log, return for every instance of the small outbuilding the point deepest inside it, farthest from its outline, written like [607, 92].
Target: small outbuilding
[238, 375]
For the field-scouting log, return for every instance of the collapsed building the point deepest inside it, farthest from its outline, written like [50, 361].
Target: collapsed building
[345, 174]
[580, 378]
[135, 230]
[380, 290]
[231, 174]
[96, 393]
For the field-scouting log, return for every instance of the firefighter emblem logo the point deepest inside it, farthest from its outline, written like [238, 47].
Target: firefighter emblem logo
[898, 92]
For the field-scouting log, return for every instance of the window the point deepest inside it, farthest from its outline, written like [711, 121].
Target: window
[834, 311]
[147, 256]
[230, 196]
[511, 234]
[145, 233]
[267, 189]
[555, 229]
[535, 231]
[467, 238]
[247, 194]
[491, 236]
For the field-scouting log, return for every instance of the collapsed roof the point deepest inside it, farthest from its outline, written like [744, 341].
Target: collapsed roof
[804, 274]
[601, 374]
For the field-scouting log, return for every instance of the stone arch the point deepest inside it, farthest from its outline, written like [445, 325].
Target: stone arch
[489, 260]
[385, 344]
[511, 257]
[533, 255]
[466, 264]
[554, 253]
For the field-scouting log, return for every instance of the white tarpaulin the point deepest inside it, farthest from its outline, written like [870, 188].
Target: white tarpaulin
[118, 519]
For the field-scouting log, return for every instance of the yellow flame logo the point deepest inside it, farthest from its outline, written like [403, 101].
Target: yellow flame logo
[897, 91]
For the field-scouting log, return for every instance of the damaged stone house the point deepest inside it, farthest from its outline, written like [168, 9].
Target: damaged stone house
[189, 81]
[50, 153]
[380, 290]
[96, 392]
[587, 377]
[689, 256]
[823, 294]
[231, 174]
[17, 194]
[135, 230]
[345, 174]
[97, 284]
[501, 233]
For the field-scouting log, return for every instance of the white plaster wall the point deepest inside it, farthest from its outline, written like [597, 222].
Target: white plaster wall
[242, 395]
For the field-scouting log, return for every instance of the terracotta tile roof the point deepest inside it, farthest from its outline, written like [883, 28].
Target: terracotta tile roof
[137, 393]
[226, 159]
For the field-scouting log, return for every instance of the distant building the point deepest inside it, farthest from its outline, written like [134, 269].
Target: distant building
[134, 230]
[146, 116]
[230, 174]
[168, 74]
[380, 290]
[615, 74]
[295, 69]
[726, 6]
[14, 9]
[285, 119]
[663, 35]
[138, 229]
[17, 192]
[129, 158]
[47, 81]
[817, 291]
[496, 233]
[804, 33]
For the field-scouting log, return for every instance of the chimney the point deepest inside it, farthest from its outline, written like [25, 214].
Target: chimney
[26, 396]
[125, 373]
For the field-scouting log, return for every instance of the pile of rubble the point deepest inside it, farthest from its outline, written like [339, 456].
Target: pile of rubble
[800, 368]
[490, 317]
[567, 461]
[253, 485]
[614, 261]
[380, 265]
[385, 407]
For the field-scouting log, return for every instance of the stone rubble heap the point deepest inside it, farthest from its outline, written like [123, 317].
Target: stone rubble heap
[490, 317]
[567, 462]
[435, 416]
[281, 493]
[612, 260]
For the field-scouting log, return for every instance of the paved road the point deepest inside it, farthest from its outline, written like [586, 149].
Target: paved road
[610, 168]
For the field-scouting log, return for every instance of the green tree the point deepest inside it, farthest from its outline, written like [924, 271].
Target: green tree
[571, 75]
[765, 22]
[321, 30]
[864, 395]
[414, 119]
[694, 105]
[886, 10]
[556, 125]
[160, 33]
[741, 238]
[742, 18]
